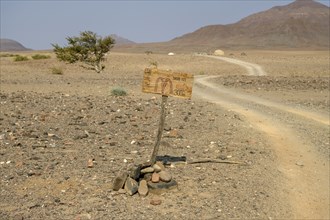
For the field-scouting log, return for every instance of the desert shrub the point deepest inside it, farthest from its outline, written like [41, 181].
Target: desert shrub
[8, 55]
[118, 92]
[148, 52]
[154, 64]
[56, 71]
[40, 57]
[21, 58]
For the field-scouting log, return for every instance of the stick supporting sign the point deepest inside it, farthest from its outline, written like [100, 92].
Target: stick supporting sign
[160, 129]
[166, 83]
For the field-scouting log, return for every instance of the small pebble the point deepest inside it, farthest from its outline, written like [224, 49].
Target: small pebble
[156, 202]
[90, 163]
[157, 168]
[143, 188]
[155, 178]
[148, 170]
[161, 165]
[300, 163]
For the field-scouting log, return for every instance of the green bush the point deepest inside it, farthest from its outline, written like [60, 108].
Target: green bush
[56, 71]
[40, 57]
[118, 92]
[21, 58]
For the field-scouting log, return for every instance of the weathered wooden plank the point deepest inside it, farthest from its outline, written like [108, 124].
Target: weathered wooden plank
[167, 83]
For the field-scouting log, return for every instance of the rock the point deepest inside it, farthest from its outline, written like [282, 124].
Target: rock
[54, 136]
[174, 133]
[148, 170]
[165, 176]
[143, 188]
[81, 136]
[157, 168]
[155, 178]
[85, 216]
[119, 181]
[131, 186]
[147, 176]
[135, 172]
[90, 163]
[31, 173]
[161, 165]
[222, 157]
[145, 165]
[155, 202]
[121, 191]
[162, 185]
[300, 163]
[167, 128]
[113, 143]
[2, 136]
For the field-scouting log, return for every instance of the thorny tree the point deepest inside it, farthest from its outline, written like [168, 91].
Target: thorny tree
[89, 49]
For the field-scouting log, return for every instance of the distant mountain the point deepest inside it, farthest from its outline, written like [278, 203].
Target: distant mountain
[120, 40]
[11, 45]
[301, 24]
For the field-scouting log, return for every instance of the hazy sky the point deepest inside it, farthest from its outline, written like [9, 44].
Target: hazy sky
[37, 24]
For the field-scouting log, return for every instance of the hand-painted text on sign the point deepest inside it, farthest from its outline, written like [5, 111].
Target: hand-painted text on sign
[167, 83]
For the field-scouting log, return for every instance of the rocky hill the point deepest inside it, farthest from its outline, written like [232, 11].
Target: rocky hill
[301, 24]
[121, 40]
[11, 45]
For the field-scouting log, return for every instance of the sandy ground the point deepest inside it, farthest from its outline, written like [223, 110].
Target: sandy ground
[276, 125]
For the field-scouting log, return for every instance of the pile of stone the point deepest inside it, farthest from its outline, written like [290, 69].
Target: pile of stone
[144, 178]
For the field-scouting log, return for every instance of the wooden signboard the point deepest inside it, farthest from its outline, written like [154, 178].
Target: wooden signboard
[167, 83]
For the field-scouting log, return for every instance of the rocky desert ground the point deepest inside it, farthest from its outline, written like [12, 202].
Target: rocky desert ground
[65, 137]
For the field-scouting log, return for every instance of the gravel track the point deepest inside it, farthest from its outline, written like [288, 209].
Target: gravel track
[299, 138]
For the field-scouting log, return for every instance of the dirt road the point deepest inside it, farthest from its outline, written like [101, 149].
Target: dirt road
[299, 138]
[252, 69]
